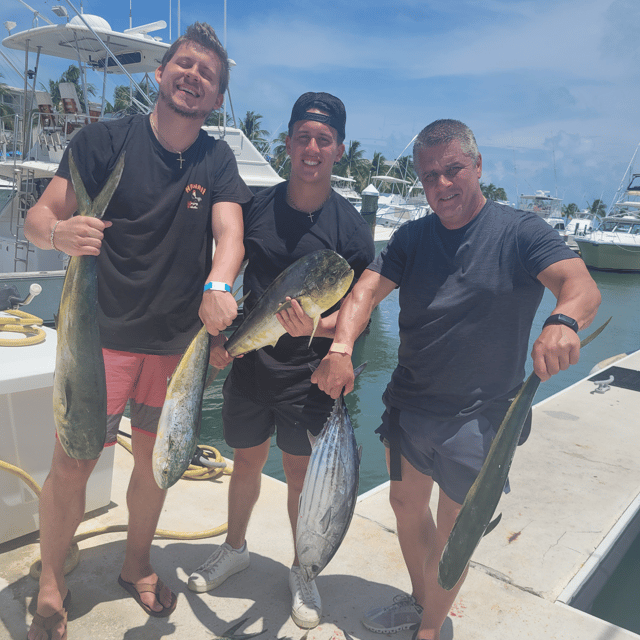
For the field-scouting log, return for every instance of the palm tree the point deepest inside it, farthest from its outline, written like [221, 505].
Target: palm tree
[280, 160]
[598, 208]
[122, 99]
[354, 165]
[570, 210]
[492, 192]
[378, 163]
[72, 74]
[251, 127]
[217, 119]
[403, 169]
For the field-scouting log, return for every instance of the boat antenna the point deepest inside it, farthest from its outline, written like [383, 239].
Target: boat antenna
[624, 179]
[555, 174]
[130, 16]
[393, 164]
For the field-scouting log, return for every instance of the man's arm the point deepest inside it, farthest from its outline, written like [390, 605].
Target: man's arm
[577, 295]
[75, 236]
[335, 372]
[219, 308]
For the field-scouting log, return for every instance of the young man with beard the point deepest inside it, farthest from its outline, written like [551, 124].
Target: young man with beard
[180, 191]
[269, 390]
[470, 280]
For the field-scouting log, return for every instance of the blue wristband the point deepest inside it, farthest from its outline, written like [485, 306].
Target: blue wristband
[217, 286]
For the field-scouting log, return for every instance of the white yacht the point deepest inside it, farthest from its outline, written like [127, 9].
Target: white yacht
[547, 207]
[615, 244]
[346, 187]
[402, 202]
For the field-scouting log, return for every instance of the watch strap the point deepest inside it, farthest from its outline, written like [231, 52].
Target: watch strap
[560, 318]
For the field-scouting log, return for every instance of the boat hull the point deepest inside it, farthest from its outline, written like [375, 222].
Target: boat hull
[609, 256]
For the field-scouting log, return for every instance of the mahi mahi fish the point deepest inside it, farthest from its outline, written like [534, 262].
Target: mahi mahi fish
[473, 521]
[329, 492]
[179, 424]
[79, 386]
[317, 281]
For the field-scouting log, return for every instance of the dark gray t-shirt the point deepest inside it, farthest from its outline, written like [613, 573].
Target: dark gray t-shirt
[468, 298]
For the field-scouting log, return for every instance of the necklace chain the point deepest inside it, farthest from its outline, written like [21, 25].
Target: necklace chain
[293, 205]
[165, 143]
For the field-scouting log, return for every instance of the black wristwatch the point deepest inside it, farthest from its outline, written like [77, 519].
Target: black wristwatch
[560, 318]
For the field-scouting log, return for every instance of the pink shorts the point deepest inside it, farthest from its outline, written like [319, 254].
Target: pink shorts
[140, 379]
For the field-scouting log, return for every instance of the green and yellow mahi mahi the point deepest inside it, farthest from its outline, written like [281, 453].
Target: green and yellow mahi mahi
[474, 518]
[79, 386]
[317, 281]
[179, 424]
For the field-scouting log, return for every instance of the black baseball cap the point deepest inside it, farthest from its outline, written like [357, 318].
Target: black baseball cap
[334, 108]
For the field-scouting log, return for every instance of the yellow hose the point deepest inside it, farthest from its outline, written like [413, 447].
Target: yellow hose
[22, 322]
[73, 557]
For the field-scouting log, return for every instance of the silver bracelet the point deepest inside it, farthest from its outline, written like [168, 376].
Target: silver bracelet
[53, 246]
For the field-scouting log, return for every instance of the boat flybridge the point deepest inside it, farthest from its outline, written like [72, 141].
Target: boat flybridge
[34, 139]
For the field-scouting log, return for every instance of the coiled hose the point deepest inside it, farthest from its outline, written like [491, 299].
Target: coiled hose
[194, 472]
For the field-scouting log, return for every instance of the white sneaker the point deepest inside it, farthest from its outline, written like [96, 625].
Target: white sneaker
[306, 606]
[222, 563]
[404, 613]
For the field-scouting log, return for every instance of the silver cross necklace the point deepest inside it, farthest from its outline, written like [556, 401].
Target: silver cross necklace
[163, 141]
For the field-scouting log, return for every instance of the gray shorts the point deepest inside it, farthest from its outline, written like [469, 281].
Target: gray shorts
[451, 452]
[248, 424]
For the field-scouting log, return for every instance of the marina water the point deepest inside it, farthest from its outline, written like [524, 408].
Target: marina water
[620, 300]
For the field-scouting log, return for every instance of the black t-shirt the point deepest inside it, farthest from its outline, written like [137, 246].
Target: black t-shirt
[275, 236]
[156, 256]
[468, 298]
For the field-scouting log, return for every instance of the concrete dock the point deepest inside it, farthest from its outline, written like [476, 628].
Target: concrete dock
[575, 489]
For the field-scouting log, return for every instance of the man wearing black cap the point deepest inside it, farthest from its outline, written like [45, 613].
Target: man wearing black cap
[271, 388]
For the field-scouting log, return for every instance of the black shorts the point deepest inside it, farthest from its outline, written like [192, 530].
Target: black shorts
[248, 424]
[451, 452]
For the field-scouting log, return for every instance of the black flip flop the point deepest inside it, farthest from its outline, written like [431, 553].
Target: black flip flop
[150, 588]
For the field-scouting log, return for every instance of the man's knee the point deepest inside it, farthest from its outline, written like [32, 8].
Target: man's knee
[250, 462]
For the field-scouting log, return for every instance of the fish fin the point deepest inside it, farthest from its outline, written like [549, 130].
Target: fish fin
[244, 297]
[312, 438]
[360, 453]
[102, 200]
[359, 369]
[316, 322]
[492, 525]
[282, 306]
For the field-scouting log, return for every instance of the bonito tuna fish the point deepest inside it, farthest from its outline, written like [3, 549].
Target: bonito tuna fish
[79, 386]
[473, 521]
[179, 424]
[329, 492]
[317, 281]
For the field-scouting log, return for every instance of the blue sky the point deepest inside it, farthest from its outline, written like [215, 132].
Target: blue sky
[550, 88]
